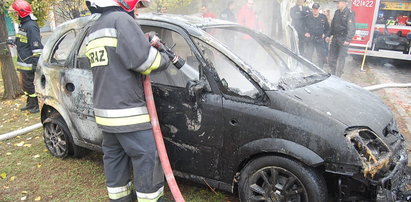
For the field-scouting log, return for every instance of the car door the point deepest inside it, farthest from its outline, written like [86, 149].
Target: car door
[243, 104]
[191, 117]
[77, 88]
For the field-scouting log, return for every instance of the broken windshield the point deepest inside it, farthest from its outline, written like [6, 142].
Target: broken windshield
[273, 61]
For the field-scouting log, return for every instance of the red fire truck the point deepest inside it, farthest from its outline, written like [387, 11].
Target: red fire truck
[383, 28]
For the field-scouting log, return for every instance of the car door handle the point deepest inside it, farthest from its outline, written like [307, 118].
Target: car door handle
[70, 87]
[233, 122]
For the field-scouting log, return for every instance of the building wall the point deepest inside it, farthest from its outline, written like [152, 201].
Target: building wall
[10, 26]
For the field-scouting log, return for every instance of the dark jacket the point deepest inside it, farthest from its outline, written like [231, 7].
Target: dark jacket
[343, 25]
[298, 17]
[119, 54]
[29, 47]
[317, 26]
[228, 15]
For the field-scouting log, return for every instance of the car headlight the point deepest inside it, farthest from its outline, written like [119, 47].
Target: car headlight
[374, 153]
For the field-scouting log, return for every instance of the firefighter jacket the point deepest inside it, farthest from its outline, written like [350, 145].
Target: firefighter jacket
[228, 15]
[317, 27]
[29, 47]
[343, 25]
[298, 14]
[119, 54]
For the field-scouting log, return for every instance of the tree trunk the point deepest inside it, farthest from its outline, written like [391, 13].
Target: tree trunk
[11, 83]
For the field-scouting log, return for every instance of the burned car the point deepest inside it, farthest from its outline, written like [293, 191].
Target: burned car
[259, 120]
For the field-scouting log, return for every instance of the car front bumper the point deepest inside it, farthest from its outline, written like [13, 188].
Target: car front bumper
[394, 186]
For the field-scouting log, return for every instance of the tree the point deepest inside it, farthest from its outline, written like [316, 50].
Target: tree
[172, 4]
[11, 84]
[12, 88]
[69, 9]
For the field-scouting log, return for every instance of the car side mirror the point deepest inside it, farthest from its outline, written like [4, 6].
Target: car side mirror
[196, 87]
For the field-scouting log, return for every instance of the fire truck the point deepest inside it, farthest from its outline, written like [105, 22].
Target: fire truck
[383, 28]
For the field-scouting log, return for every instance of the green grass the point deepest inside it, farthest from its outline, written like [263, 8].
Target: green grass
[70, 179]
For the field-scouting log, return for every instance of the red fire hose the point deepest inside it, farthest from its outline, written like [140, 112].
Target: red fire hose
[158, 136]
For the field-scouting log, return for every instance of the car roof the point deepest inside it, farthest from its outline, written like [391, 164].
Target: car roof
[193, 24]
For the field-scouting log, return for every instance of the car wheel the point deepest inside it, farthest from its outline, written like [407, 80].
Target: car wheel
[274, 178]
[57, 138]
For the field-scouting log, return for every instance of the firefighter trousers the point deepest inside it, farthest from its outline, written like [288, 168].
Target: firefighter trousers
[317, 45]
[27, 83]
[338, 53]
[127, 154]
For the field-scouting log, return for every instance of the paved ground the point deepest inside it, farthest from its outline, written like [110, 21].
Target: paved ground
[391, 71]
[379, 71]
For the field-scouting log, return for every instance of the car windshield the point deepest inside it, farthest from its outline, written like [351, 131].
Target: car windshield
[276, 63]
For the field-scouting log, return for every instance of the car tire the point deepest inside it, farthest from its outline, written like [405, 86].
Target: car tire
[58, 139]
[292, 181]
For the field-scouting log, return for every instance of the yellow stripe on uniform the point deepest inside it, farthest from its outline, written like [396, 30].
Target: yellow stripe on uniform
[32, 95]
[24, 66]
[115, 193]
[22, 38]
[124, 121]
[150, 197]
[101, 42]
[156, 64]
[96, 50]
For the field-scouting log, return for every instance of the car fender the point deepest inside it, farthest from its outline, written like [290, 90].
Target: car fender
[53, 103]
[280, 146]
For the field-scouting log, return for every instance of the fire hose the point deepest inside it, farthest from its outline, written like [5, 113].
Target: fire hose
[158, 136]
[388, 85]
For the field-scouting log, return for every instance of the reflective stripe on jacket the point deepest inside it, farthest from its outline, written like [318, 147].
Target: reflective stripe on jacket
[119, 53]
[29, 46]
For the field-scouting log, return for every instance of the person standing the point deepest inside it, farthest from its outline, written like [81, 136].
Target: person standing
[342, 30]
[205, 13]
[228, 13]
[316, 29]
[119, 54]
[248, 17]
[29, 48]
[298, 15]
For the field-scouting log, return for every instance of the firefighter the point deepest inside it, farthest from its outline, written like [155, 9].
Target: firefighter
[316, 29]
[228, 13]
[298, 14]
[119, 54]
[343, 30]
[29, 48]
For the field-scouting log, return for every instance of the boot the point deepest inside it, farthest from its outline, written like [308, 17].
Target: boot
[35, 108]
[29, 104]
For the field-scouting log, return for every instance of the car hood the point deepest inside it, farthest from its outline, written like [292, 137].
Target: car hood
[344, 102]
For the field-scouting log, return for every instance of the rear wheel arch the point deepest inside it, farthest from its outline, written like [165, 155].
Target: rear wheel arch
[50, 115]
[48, 110]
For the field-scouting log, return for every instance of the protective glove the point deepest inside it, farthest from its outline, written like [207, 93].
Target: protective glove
[10, 42]
[155, 41]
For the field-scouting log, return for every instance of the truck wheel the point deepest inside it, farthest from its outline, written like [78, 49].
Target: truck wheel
[274, 178]
[57, 138]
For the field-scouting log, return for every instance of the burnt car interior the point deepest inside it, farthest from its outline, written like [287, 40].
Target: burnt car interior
[172, 76]
[62, 48]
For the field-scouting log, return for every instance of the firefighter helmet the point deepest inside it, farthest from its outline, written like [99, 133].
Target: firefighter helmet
[22, 8]
[127, 5]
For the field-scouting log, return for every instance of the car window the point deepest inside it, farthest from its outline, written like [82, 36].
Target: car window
[172, 76]
[63, 47]
[233, 81]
